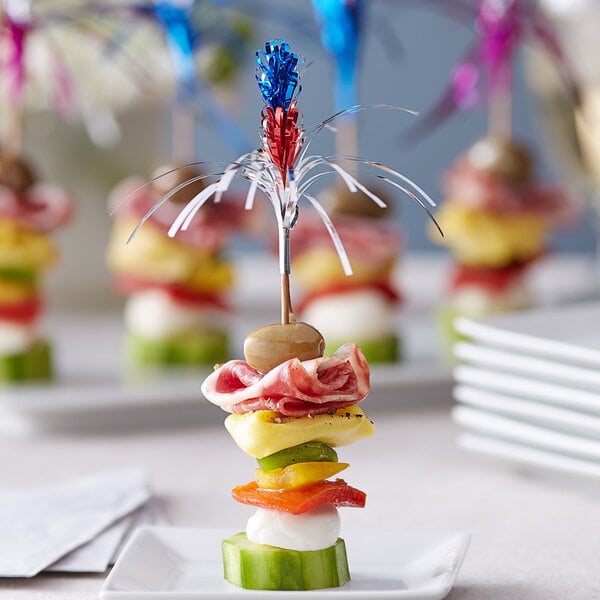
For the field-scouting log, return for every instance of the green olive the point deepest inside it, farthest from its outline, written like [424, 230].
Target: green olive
[341, 201]
[172, 178]
[503, 158]
[15, 173]
[271, 345]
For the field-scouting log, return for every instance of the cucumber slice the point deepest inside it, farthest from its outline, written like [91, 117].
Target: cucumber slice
[207, 348]
[35, 364]
[260, 567]
[309, 452]
[445, 318]
[384, 350]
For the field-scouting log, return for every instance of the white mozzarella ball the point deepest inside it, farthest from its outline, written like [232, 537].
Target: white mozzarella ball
[476, 300]
[15, 337]
[360, 315]
[314, 530]
[154, 315]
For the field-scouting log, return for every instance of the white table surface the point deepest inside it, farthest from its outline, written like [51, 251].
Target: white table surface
[534, 536]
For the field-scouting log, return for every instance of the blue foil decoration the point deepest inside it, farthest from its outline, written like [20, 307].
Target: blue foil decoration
[340, 23]
[278, 78]
[181, 38]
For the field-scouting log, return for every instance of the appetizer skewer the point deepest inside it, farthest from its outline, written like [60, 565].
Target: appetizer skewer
[177, 307]
[497, 218]
[177, 290]
[497, 222]
[290, 405]
[362, 308]
[29, 212]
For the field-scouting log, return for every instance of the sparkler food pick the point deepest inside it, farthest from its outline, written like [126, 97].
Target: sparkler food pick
[363, 308]
[290, 406]
[177, 310]
[282, 168]
[497, 218]
[29, 212]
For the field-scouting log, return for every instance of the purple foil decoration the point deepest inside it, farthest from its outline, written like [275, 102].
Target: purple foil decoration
[499, 27]
[486, 68]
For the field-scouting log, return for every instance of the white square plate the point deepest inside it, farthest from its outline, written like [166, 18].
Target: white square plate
[527, 388]
[533, 413]
[170, 563]
[538, 369]
[566, 334]
[526, 455]
[512, 430]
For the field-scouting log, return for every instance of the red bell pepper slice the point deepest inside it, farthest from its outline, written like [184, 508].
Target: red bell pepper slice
[301, 500]
[383, 287]
[21, 312]
[494, 279]
[129, 284]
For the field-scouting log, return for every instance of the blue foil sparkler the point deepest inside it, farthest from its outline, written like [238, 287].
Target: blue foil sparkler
[279, 83]
[278, 78]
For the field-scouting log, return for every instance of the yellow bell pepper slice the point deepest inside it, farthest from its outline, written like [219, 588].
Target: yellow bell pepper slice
[297, 475]
[315, 266]
[154, 256]
[482, 238]
[15, 292]
[23, 248]
[265, 432]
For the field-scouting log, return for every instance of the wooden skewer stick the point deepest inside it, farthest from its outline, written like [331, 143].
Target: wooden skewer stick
[183, 132]
[346, 140]
[286, 301]
[13, 140]
[500, 103]
[500, 114]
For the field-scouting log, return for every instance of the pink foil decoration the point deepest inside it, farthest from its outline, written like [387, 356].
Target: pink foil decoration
[15, 29]
[499, 26]
[502, 26]
[16, 33]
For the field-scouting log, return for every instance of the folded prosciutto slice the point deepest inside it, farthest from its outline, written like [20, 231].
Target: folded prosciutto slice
[366, 240]
[210, 229]
[293, 388]
[482, 190]
[42, 207]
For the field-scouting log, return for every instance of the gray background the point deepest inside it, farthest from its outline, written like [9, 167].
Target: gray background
[411, 70]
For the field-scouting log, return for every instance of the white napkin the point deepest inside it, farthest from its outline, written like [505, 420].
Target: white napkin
[102, 551]
[40, 526]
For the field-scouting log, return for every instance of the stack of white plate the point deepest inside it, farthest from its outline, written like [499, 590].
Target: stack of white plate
[528, 387]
